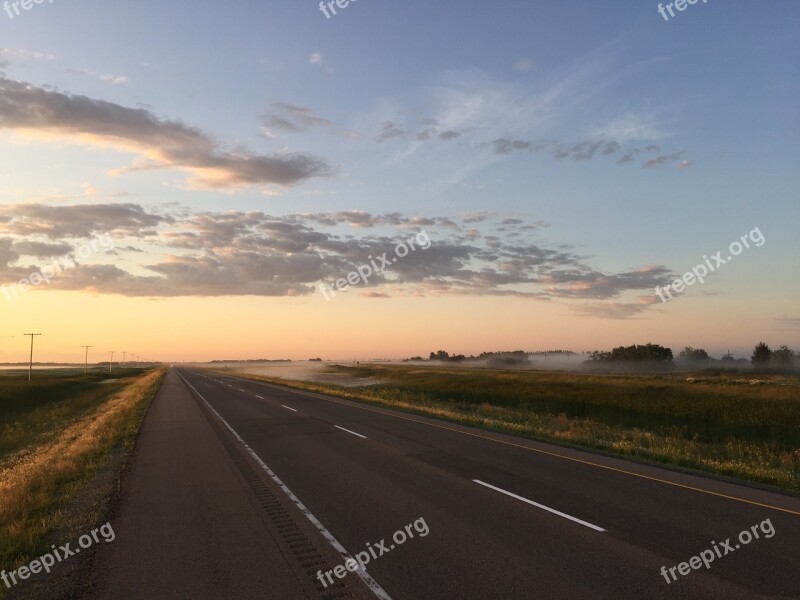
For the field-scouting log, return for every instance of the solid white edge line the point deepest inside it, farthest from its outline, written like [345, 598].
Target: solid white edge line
[353, 432]
[373, 585]
[542, 506]
[289, 407]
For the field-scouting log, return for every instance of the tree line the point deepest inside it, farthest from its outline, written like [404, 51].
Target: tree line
[763, 357]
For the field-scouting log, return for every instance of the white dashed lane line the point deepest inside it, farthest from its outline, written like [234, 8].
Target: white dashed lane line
[351, 432]
[542, 506]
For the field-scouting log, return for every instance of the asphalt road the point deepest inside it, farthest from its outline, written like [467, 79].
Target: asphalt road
[492, 516]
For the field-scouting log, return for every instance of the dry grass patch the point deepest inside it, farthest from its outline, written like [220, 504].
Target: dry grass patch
[36, 489]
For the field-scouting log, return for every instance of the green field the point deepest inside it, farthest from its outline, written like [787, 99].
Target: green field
[63, 440]
[31, 411]
[725, 425]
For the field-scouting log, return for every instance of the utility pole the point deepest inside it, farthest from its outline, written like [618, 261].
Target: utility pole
[124, 354]
[111, 362]
[30, 364]
[86, 369]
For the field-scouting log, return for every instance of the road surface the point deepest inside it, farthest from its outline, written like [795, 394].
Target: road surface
[241, 489]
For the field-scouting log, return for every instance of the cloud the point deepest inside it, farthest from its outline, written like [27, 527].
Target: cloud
[114, 79]
[432, 131]
[254, 253]
[616, 310]
[449, 135]
[43, 114]
[292, 118]
[41, 249]
[105, 77]
[508, 146]
[10, 55]
[588, 149]
[790, 323]
[79, 221]
[632, 127]
[237, 253]
[662, 159]
[375, 294]
[315, 59]
[525, 64]
[354, 218]
[625, 158]
[388, 131]
[477, 216]
[579, 283]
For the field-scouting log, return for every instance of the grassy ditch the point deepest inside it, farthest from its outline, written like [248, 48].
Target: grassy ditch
[61, 429]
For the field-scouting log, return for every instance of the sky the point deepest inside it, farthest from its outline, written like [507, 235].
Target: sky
[179, 179]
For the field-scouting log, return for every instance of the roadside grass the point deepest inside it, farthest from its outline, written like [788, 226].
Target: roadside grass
[723, 425]
[32, 411]
[82, 423]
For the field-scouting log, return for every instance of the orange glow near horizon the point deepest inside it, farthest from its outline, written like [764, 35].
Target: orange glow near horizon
[348, 327]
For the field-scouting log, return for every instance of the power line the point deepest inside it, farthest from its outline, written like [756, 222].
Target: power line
[86, 369]
[30, 364]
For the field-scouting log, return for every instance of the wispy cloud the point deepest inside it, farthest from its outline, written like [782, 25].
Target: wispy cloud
[388, 131]
[662, 159]
[11, 55]
[292, 118]
[525, 64]
[589, 149]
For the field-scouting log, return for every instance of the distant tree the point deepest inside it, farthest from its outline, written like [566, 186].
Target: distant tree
[649, 352]
[636, 353]
[440, 355]
[517, 353]
[689, 353]
[783, 358]
[761, 355]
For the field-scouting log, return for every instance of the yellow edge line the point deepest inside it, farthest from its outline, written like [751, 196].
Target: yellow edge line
[545, 452]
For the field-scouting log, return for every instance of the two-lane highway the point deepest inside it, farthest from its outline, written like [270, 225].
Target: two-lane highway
[508, 517]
